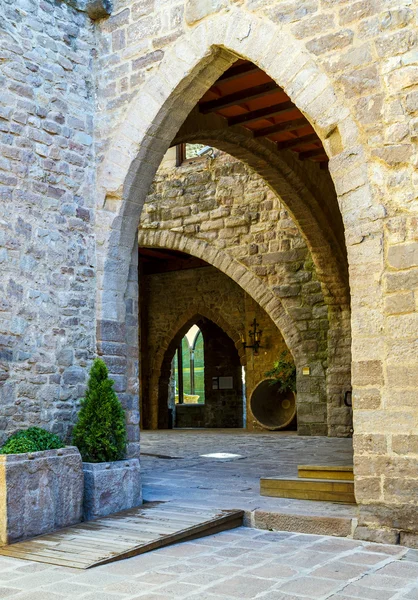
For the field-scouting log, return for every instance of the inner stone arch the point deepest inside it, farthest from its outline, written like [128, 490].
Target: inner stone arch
[166, 109]
[221, 407]
[180, 291]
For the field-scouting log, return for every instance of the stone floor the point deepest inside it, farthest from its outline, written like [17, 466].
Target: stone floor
[173, 468]
[240, 564]
[243, 563]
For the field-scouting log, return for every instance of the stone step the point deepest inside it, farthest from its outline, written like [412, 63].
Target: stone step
[330, 490]
[325, 472]
[303, 522]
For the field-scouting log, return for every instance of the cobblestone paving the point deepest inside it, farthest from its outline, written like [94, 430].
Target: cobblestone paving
[240, 564]
[173, 468]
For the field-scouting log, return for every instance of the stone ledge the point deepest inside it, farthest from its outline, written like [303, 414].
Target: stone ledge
[96, 9]
[300, 523]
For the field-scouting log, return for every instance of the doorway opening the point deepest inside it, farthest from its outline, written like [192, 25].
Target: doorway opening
[188, 370]
[205, 385]
[198, 367]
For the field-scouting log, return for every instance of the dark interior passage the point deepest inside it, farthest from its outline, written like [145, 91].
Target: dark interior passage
[193, 314]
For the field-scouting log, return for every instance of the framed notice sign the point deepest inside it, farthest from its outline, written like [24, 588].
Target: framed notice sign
[226, 383]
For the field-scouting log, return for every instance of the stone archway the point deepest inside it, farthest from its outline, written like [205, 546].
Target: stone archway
[255, 287]
[160, 372]
[194, 62]
[158, 112]
[330, 266]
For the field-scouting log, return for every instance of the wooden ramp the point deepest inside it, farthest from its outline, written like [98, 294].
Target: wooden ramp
[124, 535]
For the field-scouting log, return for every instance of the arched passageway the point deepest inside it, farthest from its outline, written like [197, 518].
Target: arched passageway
[222, 402]
[311, 227]
[151, 124]
[180, 291]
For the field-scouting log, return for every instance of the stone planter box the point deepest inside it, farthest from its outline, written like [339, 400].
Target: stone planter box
[39, 493]
[111, 487]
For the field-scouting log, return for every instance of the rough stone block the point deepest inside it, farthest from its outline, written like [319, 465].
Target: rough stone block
[368, 372]
[403, 256]
[380, 536]
[96, 9]
[301, 523]
[409, 539]
[39, 493]
[111, 487]
[195, 10]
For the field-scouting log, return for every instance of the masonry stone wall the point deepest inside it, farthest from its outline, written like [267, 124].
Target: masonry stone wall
[174, 301]
[47, 241]
[349, 66]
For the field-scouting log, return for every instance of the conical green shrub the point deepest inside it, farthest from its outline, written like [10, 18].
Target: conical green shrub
[100, 431]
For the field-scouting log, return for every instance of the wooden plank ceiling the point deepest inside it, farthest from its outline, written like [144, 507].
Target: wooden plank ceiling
[245, 95]
[160, 260]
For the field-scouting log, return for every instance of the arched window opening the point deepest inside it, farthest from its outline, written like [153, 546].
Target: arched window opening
[189, 369]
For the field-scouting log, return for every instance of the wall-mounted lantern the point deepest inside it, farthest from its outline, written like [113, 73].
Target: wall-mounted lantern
[255, 337]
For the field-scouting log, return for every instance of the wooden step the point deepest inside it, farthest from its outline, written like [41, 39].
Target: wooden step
[124, 534]
[325, 472]
[330, 490]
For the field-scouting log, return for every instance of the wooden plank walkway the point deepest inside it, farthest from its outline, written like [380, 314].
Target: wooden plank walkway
[124, 535]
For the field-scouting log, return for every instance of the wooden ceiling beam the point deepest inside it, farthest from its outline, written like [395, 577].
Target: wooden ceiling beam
[305, 139]
[262, 113]
[313, 153]
[280, 127]
[161, 254]
[237, 72]
[238, 97]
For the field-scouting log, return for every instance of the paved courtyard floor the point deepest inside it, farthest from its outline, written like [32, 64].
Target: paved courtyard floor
[239, 564]
[174, 467]
[243, 563]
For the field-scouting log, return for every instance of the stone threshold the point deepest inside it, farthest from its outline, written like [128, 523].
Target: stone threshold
[301, 522]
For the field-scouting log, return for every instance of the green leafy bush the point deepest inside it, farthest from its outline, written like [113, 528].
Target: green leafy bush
[100, 432]
[284, 372]
[33, 439]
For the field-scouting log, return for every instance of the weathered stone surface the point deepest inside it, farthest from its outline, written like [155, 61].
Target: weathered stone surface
[41, 492]
[111, 487]
[340, 527]
[96, 9]
[403, 256]
[47, 253]
[58, 122]
[195, 10]
[379, 536]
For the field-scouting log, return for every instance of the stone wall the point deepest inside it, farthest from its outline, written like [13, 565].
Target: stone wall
[350, 66]
[47, 242]
[225, 204]
[170, 304]
[40, 493]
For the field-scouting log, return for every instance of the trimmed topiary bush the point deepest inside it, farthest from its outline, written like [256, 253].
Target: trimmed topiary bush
[33, 439]
[100, 432]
